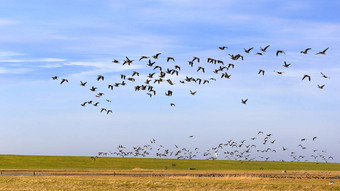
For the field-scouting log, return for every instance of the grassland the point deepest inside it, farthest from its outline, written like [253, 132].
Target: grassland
[91, 174]
[108, 163]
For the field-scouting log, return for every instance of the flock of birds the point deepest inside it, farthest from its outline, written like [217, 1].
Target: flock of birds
[165, 73]
[169, 73]
[261, 147]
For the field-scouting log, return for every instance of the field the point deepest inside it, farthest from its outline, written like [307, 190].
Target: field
[83, 173]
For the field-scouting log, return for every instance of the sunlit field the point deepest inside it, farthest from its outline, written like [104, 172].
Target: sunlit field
[20, 172]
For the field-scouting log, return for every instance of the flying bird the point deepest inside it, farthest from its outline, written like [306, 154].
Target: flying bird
[63, 80]
[323, 52]
[83, 83]
[280, 51]
[244, 101]
[265, 48]
[261, 71]
[223, 47]
[323, 75]
[100, 77]
[248, 50]
[55, 77]
[305, 51]
[306, 76]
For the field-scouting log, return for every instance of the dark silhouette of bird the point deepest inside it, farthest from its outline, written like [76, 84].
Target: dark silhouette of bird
[83, 83]
[135, 73]
[323, 52]
[280, 51]
[110, 86]
[248, 50]
[115, 61]
[63, 80]
[323, 75]
[222, 47]
[285, 64]
[93, 88]
[193, 93]
[143, 57]
[200, 68]
[55, 77]
[321, 86]
[259, 53]
[279, 72]
[244, 101]
[100, 77]
[196, 58]
[172, 104]
[306, 76]
[156, 56]
[314, 138]
[170, 58]
[260, 132]
[109, 111]
[305, 51]
[103, 109]
[83, 104]
[261, 71]
[265, 48]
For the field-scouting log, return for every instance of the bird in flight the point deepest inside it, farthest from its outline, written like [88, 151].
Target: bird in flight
[170, 58]
[323, 52]
[285, 64]
[305, 51]
[100, 77]
[306, 76]
[223, 47]
[323, 75]
[55, 77]
[265, 48]
[83, 83]
[314, 138]
[193, 93]
[244, 101]
[321, 86]
[156, 56]
[63, 80]
[248, 50]
[261, 72]
[172, 104]
[280, 51]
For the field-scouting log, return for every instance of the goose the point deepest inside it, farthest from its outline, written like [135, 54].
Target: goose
[83, 104]
[305, 51]
[172, 104]
[100, 77]
[200, 68]
[280, 51]
[151, 63]
[170, 58]
[177, 67]
[55, 77]
[63, 80]
[222, 47]
[321, 86]
[115, 61]
[193, 93]
[306, 76]
[103, 109]
[261, 71]
[135, 73]
[314, 138]
[83, 83]
[244, 101]
[259, 53]
[109, 111]
[323, 52]
[265, 48]
[323, 75]
[122, 76]
[196, 58]
[156, 56]
[285, 64]
[143, 57]
[96, 104]
[248, 50]
[93, 88]
[110, 86]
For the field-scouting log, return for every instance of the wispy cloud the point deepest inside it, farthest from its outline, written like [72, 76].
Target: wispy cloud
[14, 70]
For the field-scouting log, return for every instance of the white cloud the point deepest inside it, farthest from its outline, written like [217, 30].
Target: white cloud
[14, 70]
[34, 60]
[4, 22]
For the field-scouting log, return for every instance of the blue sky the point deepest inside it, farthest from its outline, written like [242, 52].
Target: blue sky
[78, 39]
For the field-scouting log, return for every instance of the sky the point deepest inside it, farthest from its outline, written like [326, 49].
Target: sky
[78, 40]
